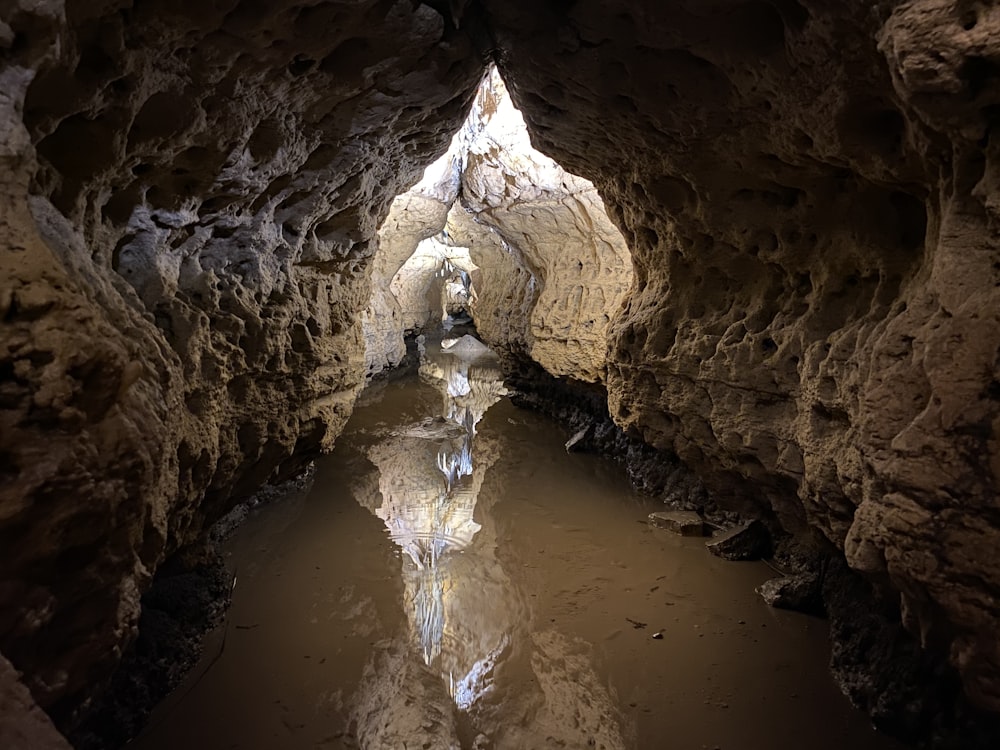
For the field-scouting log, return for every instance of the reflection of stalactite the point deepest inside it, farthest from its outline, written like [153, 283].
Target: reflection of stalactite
[429, 617]
[429, 480]
[454, 465]
[468, 689]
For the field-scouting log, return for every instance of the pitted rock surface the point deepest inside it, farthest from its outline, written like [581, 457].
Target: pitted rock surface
[189, 196]
[810, 195]
[550, 269]
[572, 268]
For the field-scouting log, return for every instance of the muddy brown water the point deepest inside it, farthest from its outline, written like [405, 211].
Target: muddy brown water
[455, 579]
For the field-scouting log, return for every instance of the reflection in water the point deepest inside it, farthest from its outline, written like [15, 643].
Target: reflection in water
[469, 623]
[505, 624]
[429, 483]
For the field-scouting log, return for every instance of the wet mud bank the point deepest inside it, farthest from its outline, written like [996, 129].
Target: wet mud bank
[910, 692]
[582, 408]
[188, 600]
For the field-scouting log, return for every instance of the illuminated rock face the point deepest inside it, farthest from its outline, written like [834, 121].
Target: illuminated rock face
[414, 218]
[554, 269]
[549, 269]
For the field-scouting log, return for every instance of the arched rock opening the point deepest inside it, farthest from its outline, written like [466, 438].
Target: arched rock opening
[551, 269]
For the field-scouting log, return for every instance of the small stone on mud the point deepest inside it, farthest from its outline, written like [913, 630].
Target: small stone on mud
[658, 635]
[573, 443]
[748, 541]
[683, 522]
[801, 593]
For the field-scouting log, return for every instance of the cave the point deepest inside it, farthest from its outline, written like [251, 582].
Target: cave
[755, 265]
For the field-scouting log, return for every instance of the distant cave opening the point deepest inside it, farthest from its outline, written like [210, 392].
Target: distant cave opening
[435, 286]
[499, 233]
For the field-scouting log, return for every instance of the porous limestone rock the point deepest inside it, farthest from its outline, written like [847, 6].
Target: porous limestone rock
[414, 217]
[189, 194]
[422, 283]
[188, 198]
[810, 192]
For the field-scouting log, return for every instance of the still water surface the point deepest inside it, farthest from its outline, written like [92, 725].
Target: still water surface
[455, 579]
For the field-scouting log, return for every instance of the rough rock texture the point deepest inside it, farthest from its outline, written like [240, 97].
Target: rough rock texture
[554, 269]
[683, 522]
[415, 216]
[422, 284]
[810, 194]
[800, 592]
[188, 196]
[187, 599]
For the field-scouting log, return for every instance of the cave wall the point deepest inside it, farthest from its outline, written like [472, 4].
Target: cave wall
[22, 723]
[416, 215]
[810, 194]
[189, 194]
[412, 218]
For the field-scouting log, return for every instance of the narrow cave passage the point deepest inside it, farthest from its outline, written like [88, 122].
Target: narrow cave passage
[794, 317]
[454, 578]
[543, 269]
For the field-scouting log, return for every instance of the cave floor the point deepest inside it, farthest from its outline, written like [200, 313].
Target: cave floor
[437, 588]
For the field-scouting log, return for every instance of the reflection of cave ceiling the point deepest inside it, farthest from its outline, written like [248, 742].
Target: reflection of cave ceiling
[430, 475]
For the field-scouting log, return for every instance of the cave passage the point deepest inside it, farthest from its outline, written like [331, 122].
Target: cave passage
[757, 250]
[455, 578]
[503, 232]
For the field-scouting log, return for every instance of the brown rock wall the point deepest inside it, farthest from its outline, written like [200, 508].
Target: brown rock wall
[22, 723]
[189, 194]
[809, 193]
[413, 217]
